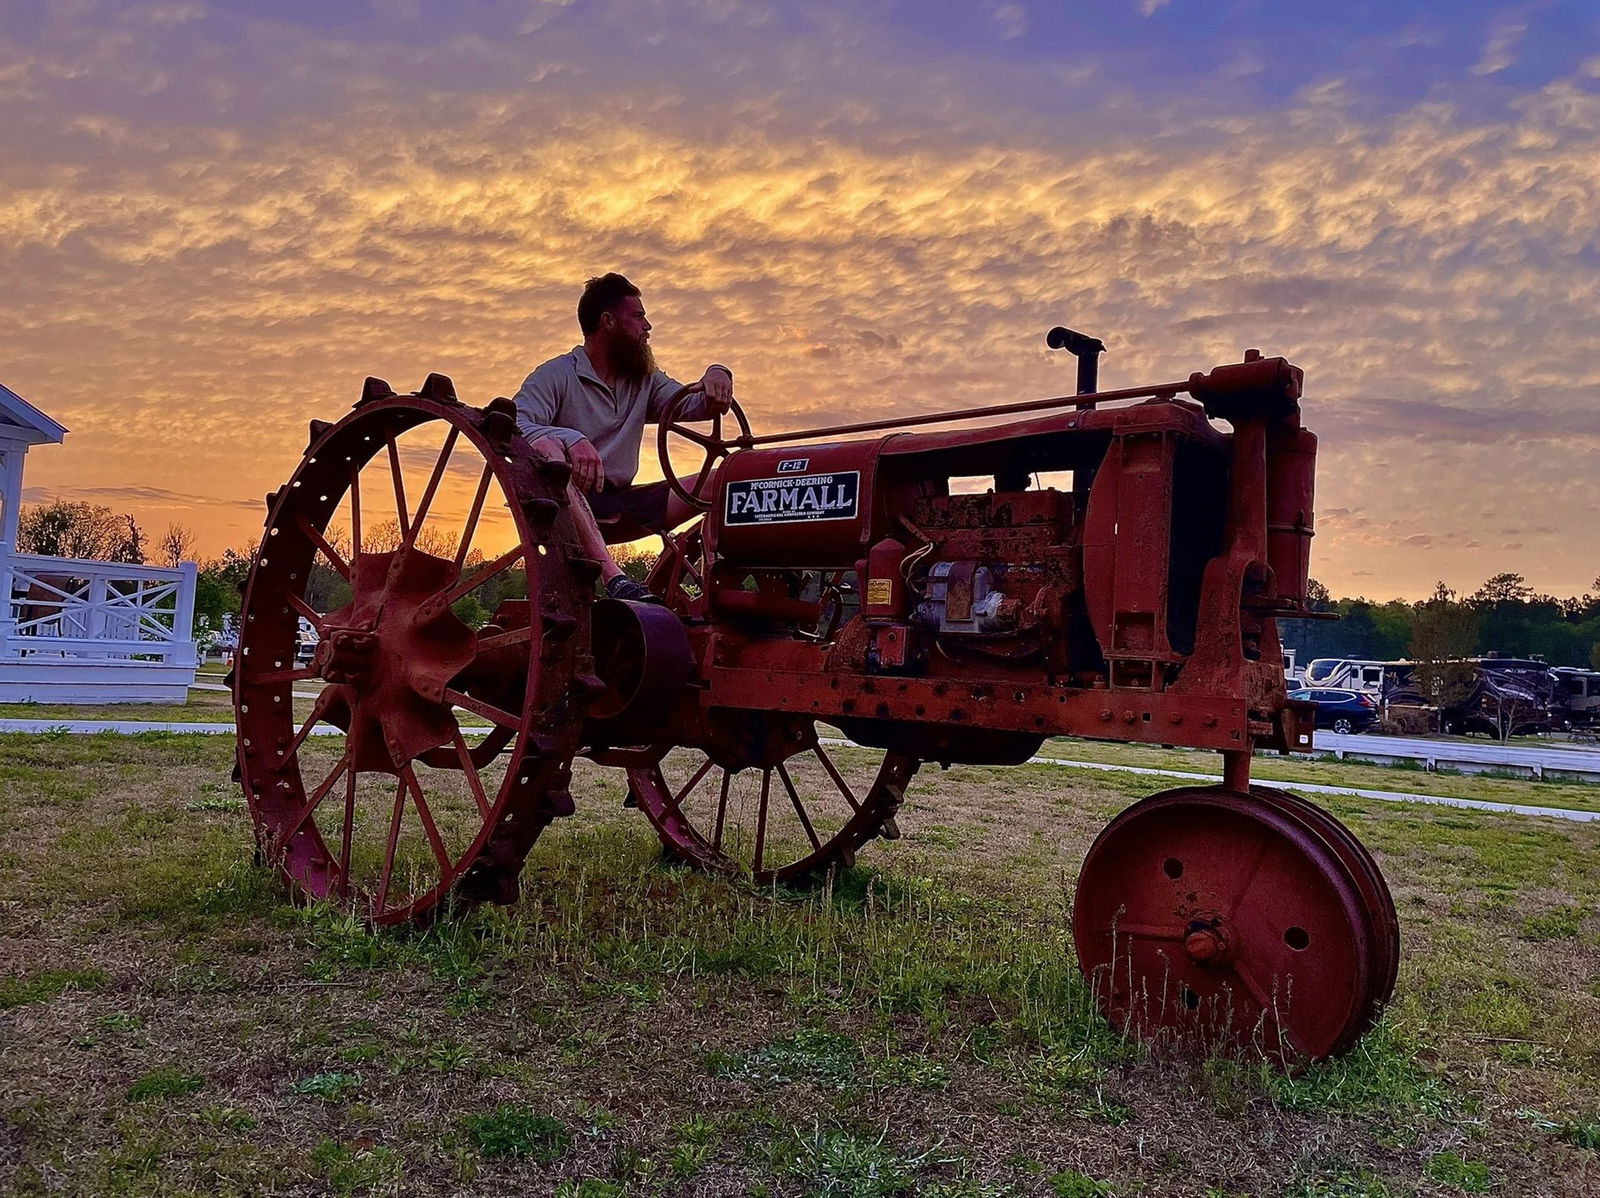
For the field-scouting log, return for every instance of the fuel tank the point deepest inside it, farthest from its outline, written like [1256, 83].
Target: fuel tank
[806, 507]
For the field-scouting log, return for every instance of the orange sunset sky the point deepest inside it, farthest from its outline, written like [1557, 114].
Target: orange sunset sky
[217, 218]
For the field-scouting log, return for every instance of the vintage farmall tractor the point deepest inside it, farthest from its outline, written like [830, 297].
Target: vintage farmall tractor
[1107, 565]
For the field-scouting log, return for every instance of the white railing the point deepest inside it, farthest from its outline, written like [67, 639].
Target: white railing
[63, 607]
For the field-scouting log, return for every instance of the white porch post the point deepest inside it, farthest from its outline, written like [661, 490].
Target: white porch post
[183, 617]
[8, 612]
[10, 489]
[10, 513]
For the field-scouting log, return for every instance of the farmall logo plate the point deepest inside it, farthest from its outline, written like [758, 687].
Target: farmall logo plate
[794, 500]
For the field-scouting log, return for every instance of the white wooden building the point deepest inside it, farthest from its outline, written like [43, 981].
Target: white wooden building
[79, 631]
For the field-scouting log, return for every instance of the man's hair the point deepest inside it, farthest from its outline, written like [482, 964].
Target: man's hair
[600, 295]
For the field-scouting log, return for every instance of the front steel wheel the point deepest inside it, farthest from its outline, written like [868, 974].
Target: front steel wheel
[1233, 922]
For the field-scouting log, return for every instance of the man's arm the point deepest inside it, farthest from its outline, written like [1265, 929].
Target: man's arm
[538, 401]
[715, 398]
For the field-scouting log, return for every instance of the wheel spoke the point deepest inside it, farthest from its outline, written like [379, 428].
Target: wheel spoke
[314, 801]
[675, 803]
[440, 853]
[799, 807]
[487, 710]
[474, 782]
[1254, 988]
[1148, 931]
[348, 831]
[688, 434]
[382, 898]
[472, 516]
[301, 674]
[311, 614]
[705, 469]
[833, 772]
[319, 708]
[1247, 877]
[482, 575]
[328, 551]
[355, 511]
[426, 501]
[722, 811]
[399, 490]
[761, 818]
[501, 640]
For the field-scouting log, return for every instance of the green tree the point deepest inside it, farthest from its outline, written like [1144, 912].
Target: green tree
[78, 529]
[1502, 588]
[1444, 631]
[219, 584]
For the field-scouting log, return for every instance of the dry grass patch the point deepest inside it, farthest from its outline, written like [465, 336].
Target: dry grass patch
[916, 1027]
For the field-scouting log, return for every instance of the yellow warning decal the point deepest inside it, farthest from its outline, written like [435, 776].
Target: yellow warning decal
[880, 592]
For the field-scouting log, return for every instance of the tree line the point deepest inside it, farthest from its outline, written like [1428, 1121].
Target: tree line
[1504, 616]
[67, 528]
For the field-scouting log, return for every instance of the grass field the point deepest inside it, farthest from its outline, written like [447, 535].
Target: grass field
[169, 1024]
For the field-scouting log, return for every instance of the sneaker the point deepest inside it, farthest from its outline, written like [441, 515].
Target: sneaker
[623, 587]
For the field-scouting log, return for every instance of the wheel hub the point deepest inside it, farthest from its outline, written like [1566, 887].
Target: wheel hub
[1206, 943]
[394, 650]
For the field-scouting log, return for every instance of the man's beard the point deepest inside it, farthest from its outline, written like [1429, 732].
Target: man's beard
[633, 361]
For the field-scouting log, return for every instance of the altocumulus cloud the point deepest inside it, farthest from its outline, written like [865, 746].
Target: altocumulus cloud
[222, 221]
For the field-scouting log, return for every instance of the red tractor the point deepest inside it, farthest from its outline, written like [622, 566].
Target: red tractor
[1107, 565]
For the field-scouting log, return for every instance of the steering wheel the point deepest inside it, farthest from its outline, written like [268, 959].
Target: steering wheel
[711, 444]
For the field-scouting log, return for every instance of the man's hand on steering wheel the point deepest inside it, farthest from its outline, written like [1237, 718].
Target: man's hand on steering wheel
[717, 383]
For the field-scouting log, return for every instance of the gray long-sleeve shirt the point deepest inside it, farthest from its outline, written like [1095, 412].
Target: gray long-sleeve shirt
[566, 399]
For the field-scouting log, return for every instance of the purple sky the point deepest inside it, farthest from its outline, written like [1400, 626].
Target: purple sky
[216, 218]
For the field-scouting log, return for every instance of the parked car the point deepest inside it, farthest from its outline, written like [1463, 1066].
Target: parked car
[1341, 711]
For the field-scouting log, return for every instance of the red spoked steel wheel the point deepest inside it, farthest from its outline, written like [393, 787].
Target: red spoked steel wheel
[787, 814]
[448, 747]
[1231, 922]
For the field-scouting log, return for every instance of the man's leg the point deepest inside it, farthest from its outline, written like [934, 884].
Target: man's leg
[590, 538]
[638, 509]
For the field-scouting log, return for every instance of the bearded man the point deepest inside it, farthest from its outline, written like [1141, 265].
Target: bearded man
[590, 407]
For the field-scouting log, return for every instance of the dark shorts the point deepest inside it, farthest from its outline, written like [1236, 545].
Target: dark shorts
[645, 504]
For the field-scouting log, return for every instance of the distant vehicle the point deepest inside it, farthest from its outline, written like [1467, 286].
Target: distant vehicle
[1347, 673]
[1578, 696]
[1515, 696]
[1293, 675]
[305, 645]
[1341, 711]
